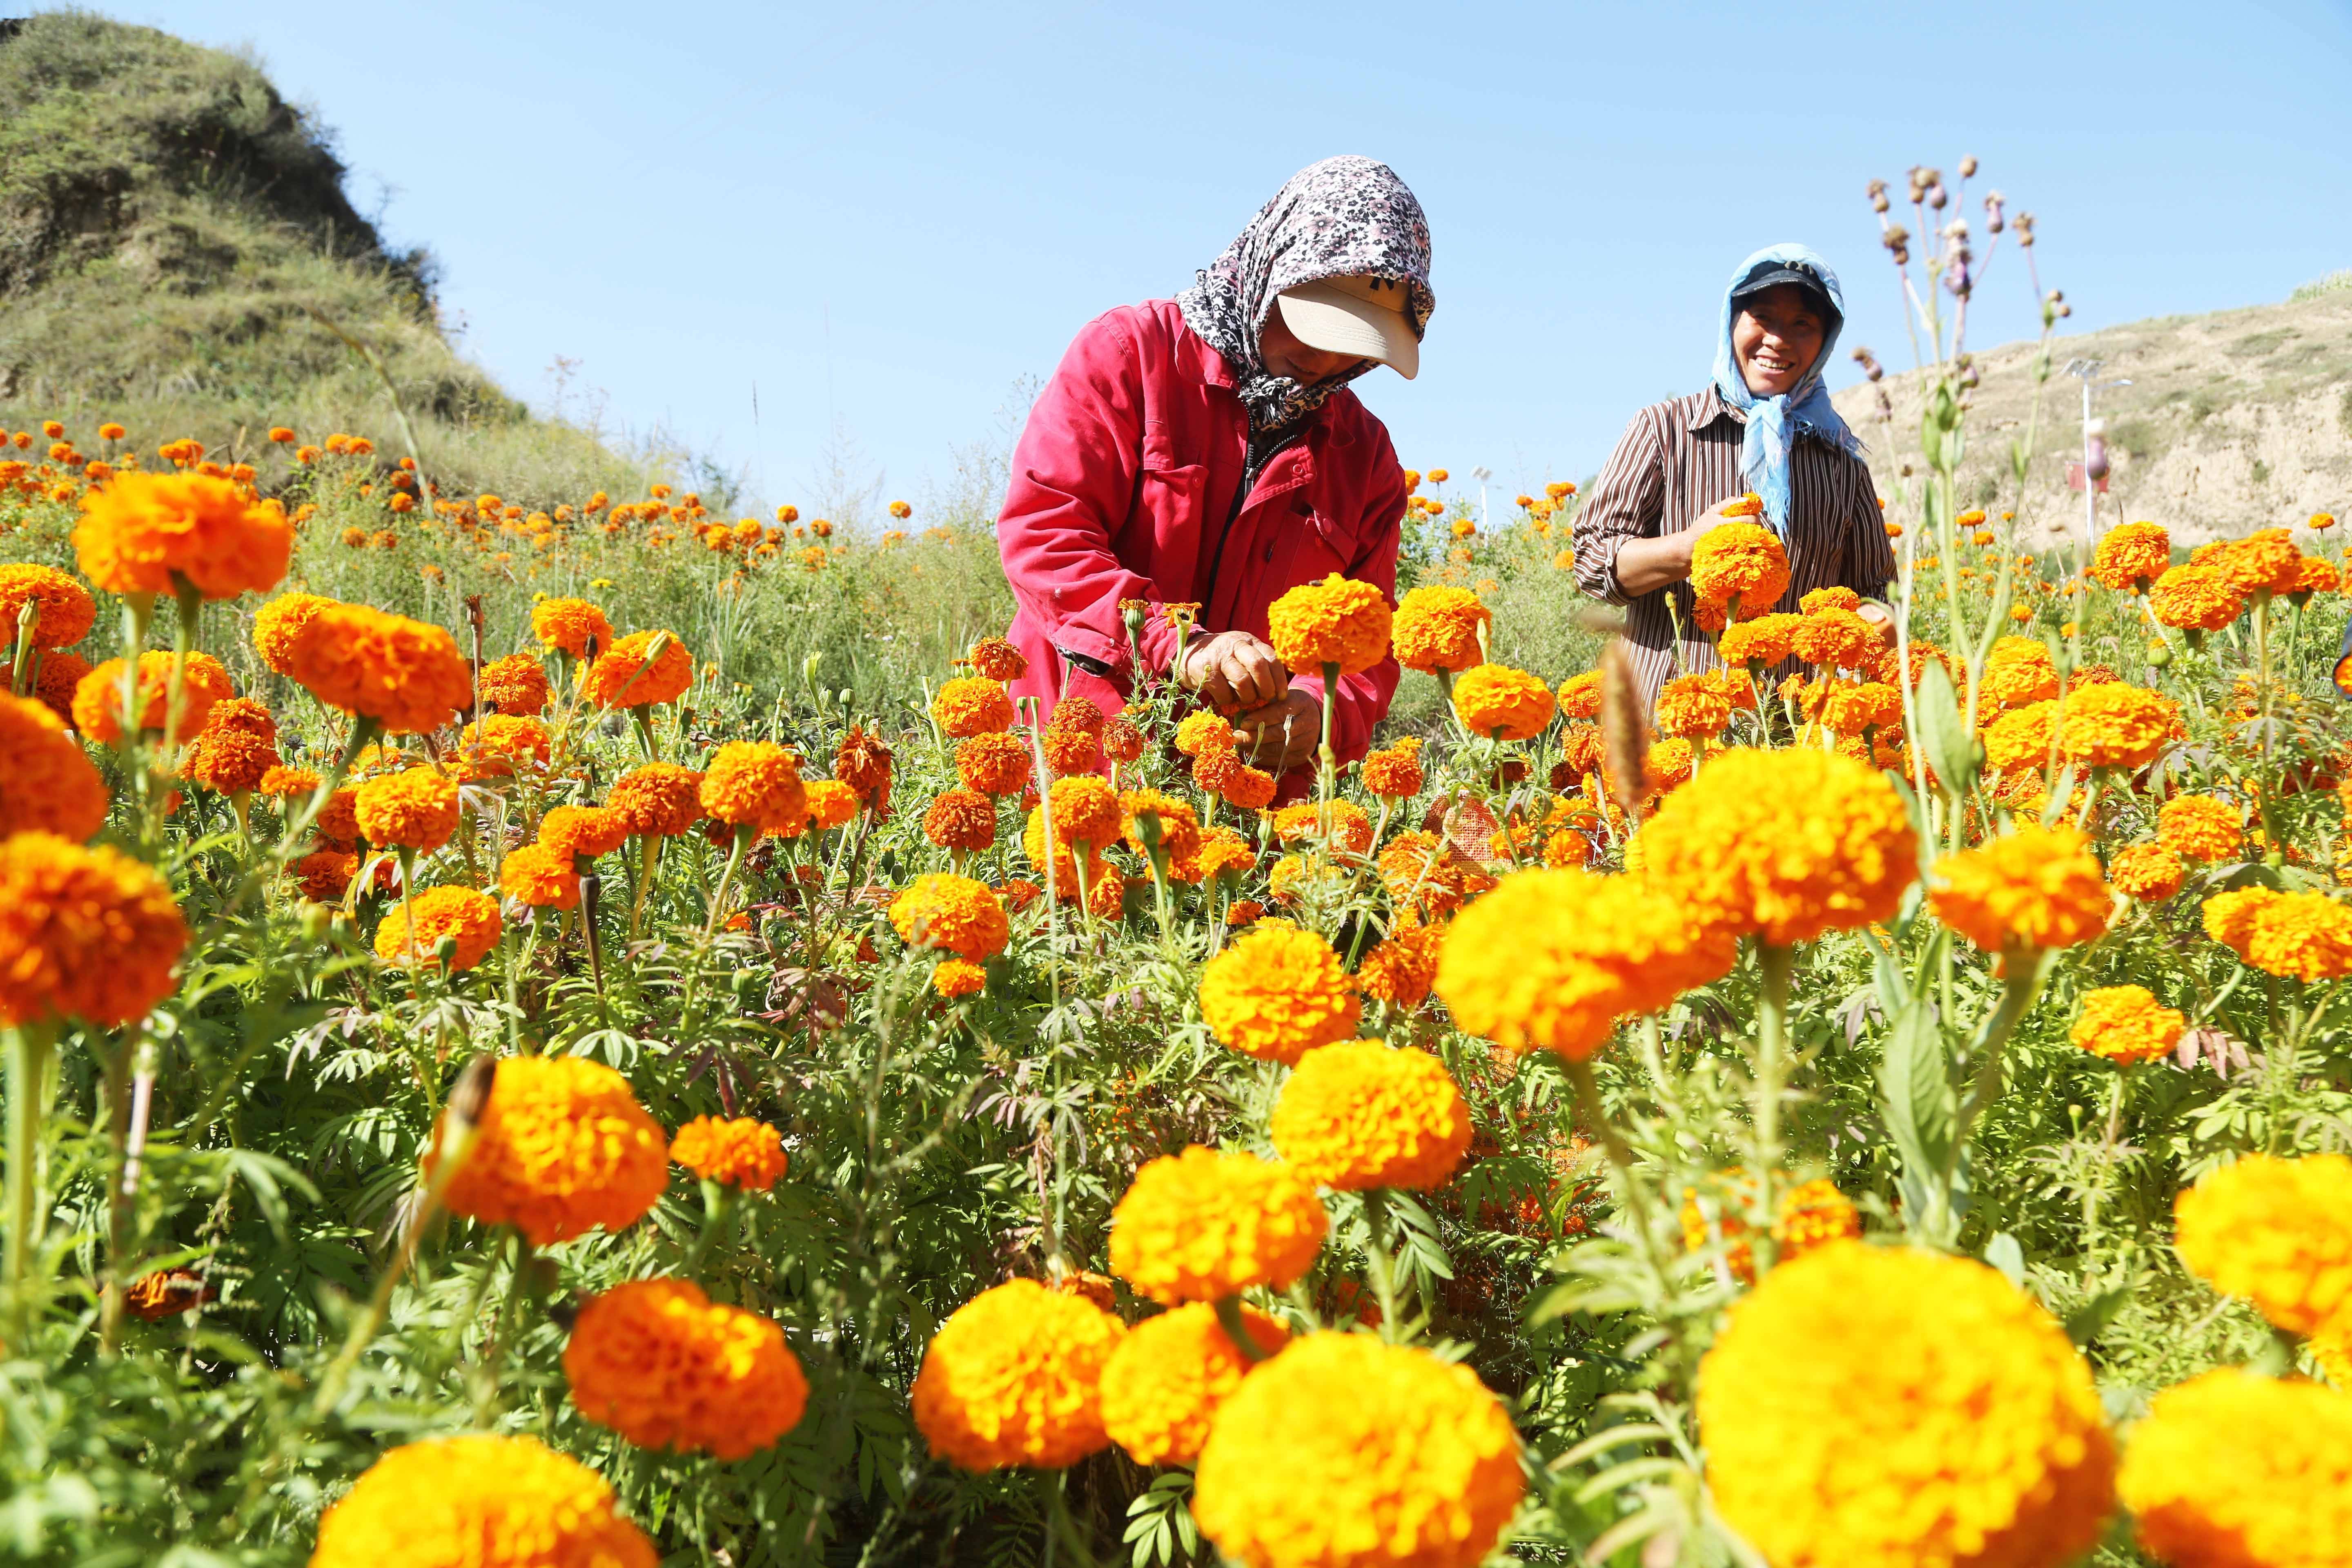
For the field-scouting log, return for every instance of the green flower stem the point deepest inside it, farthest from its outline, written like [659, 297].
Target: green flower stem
[1326, 757]
[719, 1205]
[1229, 1318]
[1620, 1163]
[1379, 1262]
[31, 1055]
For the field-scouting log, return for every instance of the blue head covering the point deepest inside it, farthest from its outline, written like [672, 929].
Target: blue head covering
[1775, 423]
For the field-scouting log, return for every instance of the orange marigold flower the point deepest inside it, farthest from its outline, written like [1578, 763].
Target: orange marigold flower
[571, 626]
[1066, 878]
[2200, 826]
[1075, 713]
[2131, 556]
[973, 705]
[963, 820]
[1335, 621]
[1121, 741]
[582, 832]
[1579, 695]
[85, 934]
[2272, 1231]
[61, 672]
[1401, 969]
[2264, 561]
[636, 673]
[997, 659]
[2302, 936]
[1394, 772]
[955, 978]
[1438, 628]
[1693, 708]
[498, 1503]
[2195, 598]
[2021, 740]
[2112, 725]
[956, 914]
[1421, 870]
[2126, 1024]
[407, 675]
[1085, 812]
[471, 918]
[666, 1367]
[413, 809]
[1497, 700]
[1834, 639]
[1766, 640]
[2030, 888]
[139, 531]
[1351, 830]
[562, 1147]
[994, 764]
[516, 684]
[1854, 707]
[1241, 785]
[1201, 1226]
[863, 762]
[756, 783]
[1277, 994]
[541, 875]
[1014, 1377]
[63, 611]
[1171, 822]
[46, 783]
[496, 746]
[1204, 730]
[831, 802]
[231, 762]
[1360, 1114]
[737, 1152]
[658, 800]
[2148, 872]
[1162, 1386]
[1742, 562]
[1835, 597]
[278, 624]
[1224, 853]
[1070, 753]
[1787, 845]
[97, 697]
[2313, 575]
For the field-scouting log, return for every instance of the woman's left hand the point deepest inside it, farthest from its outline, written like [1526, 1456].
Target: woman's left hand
[1878, 621]
[1284, 733]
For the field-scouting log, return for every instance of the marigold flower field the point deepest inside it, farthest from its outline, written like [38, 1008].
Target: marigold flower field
[487, 1083]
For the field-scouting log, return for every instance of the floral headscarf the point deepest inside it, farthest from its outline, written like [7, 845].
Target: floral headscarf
[1343, 217]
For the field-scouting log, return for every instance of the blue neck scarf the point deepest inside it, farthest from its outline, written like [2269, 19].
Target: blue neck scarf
[1775, 423]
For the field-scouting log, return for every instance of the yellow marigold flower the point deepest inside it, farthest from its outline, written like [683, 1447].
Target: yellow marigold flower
[666, 1367]
[1692, 707]
[1811, 1215]
[1834, 639]
[1344, 1452]
[65, 610]
[540, 876]
[658, 800]
[1359, 1114]
[1277, 994]
[516, 684]
[1767, 640]
[1438, 628]
[562, 1147]
[278, 624]
[1204, 730]
[1394, 772]
[1579, 695]
[1553, 958]
[1015, 1377]
[2148, 872]
[1888, 1407]
[1835, 597]
[1351, 830]
[955, 978]
[1786, 844]
[2031, 888]
[1742, 562]
[2235, 1470]
[1401, 969]
[2200, 826]
[405, 674]
[46, 783]
[2195, 598]
[956, 914]
[1201, 1225]
[2019, 741]
[1163, 1385]
[98, 696]
[630, 674]
[973, 705]
[2125, 1024]
[2304, 936]
[1335, 621]
[583, 832]
[138, 531]
[1497, 700]
[415, 808]
[2276, 1233]
[468, 916]
[756, 783]
[569, 626]
[831, 802]
[1179, 826]
[2132, 556]
[480, 1501]
[87, 934]
[2111, 725]
[1854, 707]
[1098, 871]
[739, 1152]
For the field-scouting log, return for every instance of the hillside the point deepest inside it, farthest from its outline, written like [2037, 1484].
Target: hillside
[177, 252]
[2236, 420]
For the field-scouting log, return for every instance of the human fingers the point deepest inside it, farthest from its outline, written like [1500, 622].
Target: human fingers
[1268, 678]
[1246, 673]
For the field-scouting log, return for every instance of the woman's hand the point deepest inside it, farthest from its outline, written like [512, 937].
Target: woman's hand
[1235, 672]
[1874, 616]
[1646, 565]
[1282, 735]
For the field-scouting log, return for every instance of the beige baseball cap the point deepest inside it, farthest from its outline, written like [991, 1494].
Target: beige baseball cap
[1365, 317]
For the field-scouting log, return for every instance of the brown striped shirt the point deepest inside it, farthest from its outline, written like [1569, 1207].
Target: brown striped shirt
[1676, 460]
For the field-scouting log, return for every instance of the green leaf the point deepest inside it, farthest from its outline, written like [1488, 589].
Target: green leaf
[1916, 1090]
[1952, 751]
[2004, 1254]
[2089, 1320]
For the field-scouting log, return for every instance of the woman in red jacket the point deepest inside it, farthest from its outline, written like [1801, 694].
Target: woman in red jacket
[1204, 450]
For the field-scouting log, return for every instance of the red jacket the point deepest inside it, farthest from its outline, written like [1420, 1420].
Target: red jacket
[1122, 481]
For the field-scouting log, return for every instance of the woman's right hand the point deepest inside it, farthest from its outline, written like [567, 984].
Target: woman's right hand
[1234, 672]
[1646, 565]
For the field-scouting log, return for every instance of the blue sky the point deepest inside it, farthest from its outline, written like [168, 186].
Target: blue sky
[884, 216]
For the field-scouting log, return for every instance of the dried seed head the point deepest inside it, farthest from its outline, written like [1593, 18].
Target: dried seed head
[1624, 729]
[1969, 167]
[1877, 191]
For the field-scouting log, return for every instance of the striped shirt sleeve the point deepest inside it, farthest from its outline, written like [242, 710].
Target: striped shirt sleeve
[1625, 502]
[1870, 554]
